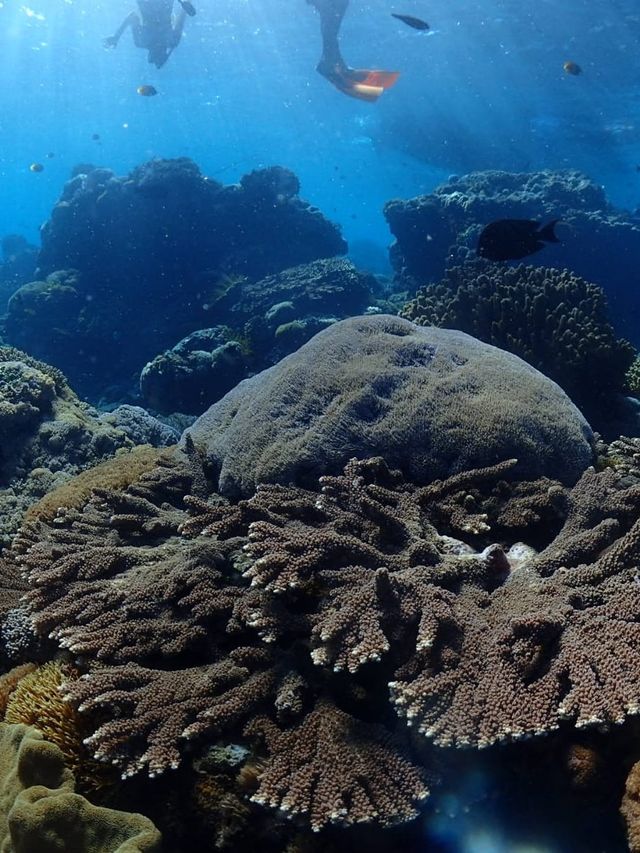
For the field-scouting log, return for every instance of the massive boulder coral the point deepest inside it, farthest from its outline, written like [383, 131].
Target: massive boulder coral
[297, 620]
[39, 810]
[432, 401]
[553, 319]
[170, 231]
[598, 242]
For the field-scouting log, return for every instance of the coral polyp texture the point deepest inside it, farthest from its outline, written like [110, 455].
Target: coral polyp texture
[551, 318]
[311, 624]
[431, 401]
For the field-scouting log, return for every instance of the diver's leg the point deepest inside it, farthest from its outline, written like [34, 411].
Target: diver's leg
[177, 29]
[331, 14]
[139, 33]
[363, 84]
[132, 21]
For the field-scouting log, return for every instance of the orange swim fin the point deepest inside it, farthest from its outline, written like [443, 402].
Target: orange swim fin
[367, 85]
[379, 79]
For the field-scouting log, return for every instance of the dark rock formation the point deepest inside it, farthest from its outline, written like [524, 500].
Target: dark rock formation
[18, 265]
[193, 374]
[144, 247]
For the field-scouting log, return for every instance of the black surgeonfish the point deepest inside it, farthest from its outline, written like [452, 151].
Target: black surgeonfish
[511, 239]
[410, 21]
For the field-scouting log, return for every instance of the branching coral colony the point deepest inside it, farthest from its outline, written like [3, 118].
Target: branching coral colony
[315, 624]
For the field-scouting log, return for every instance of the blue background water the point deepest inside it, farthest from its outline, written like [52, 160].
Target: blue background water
[484, 89]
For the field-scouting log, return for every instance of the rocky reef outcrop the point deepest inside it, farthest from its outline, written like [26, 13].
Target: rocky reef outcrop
[598, 242]
[264, 321]
[147, 251]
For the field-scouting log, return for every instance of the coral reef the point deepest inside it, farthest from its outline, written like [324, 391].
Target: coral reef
[264, 321]
[141, 427]
[632, 378]
[330, 287]
[36, 701]
[126, 467]
[431, 401]
[554, 320]
[48, 435]
[598, 243]
[41, 813]
[169, 229]
[630, 808]
[195, 373]
[17, 267]
[297, 620]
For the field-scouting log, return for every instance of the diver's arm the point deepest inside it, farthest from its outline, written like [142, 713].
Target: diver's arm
[130, 21]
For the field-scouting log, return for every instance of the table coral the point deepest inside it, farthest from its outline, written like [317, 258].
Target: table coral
[296, 612]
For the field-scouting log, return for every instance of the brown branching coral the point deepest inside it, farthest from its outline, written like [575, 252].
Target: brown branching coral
[551, 318]
[338, 770]
[306, 617]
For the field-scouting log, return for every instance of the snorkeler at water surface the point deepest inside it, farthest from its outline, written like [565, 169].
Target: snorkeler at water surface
[367, 85]
[155, 29]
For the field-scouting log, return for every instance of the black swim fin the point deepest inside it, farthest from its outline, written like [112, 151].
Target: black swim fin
[188, 7]
[546, 233]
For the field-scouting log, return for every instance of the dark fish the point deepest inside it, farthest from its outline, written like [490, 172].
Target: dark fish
[36, 167]
[95, 136]
[637, 167]
[188, 7]
[572, 68]
[147, 91]
[50, 155]
[511, 239]
[410, 21]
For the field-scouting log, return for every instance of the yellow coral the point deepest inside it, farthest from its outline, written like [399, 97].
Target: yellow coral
[126, 467]
[10, 680]
[37, 701]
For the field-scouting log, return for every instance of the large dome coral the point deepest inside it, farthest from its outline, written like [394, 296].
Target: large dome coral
[431, 401]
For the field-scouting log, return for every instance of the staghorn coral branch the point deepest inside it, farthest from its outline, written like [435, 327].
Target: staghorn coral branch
[337, 770]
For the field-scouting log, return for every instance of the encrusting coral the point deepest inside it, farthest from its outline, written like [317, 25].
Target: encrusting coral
[551, 318]
[300, 619]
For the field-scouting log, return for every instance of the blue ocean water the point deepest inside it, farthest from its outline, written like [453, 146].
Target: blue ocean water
[484, 88]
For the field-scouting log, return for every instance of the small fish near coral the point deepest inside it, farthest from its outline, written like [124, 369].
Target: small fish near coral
[512, 239]
[572, 68]
[36, 167]
[147, 91]
[410, 21]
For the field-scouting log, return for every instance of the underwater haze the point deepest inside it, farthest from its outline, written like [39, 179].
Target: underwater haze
[483, 89]
[320, 426]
